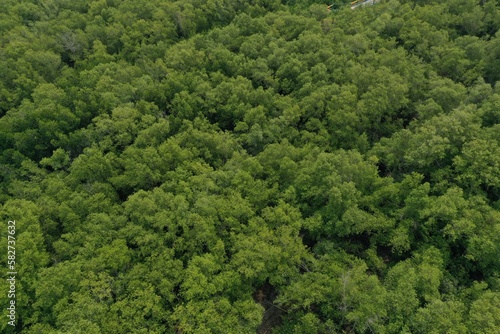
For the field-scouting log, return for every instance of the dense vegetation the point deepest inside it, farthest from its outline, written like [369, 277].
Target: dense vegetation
[229, 166]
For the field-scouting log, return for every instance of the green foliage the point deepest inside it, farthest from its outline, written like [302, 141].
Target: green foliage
[264, 166]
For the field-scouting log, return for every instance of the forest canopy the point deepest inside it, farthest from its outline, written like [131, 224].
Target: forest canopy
[257, 166]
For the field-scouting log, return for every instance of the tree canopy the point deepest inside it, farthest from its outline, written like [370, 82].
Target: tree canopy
[257, 166]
